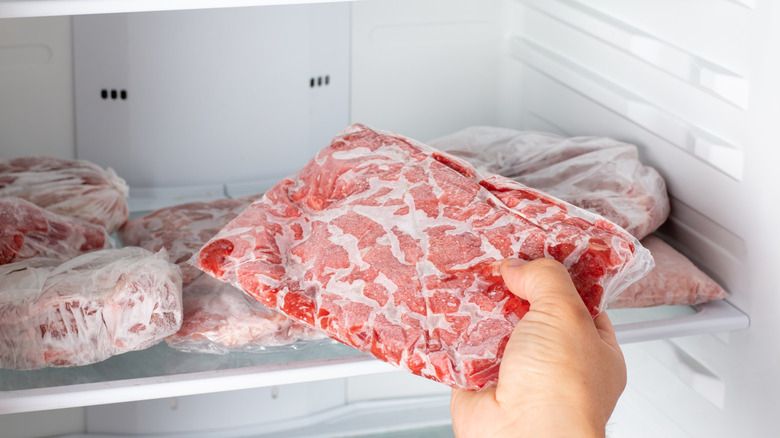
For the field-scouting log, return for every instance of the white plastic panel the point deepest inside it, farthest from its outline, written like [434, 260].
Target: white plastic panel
[628, 71]
[230, 96]
[46, 8]
[425, 69]
[36, 88]
[192, 415]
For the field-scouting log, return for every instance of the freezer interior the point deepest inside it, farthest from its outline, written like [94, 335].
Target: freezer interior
[222, 99]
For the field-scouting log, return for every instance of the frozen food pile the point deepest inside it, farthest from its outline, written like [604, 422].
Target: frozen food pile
[218, 318]
[380, 242]
[391, 246]
[67, 296]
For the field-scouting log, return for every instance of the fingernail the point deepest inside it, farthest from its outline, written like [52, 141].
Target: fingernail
[513, 263]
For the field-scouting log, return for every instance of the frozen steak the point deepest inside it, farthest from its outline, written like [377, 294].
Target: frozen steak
[27, 231]
[182, 229]
[87, 309]
[75, 188]
[595, 173]
[674, 280]
[392, 247]
[218, 318]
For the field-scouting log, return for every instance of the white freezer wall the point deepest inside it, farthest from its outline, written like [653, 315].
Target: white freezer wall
[692, 83]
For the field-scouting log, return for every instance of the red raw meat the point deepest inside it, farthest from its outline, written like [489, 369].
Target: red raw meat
[391, 246]
[218, 318]
[84, 310]
[27, 230]
[182, 229]
[674, 280]
[75, 188]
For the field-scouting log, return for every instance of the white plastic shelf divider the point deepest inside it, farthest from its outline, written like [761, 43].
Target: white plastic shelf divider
[50, 8]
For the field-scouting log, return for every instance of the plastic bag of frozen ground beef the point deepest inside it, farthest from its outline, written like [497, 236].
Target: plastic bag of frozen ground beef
[598, 174]
[75, 188]
[392, 247]
[87, 309]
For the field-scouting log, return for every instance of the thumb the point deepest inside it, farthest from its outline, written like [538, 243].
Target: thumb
[544, 283]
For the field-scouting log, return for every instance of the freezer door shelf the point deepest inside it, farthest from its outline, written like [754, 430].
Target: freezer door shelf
[161, 371]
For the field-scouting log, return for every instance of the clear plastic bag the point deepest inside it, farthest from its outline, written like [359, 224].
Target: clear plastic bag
[218, 318]
[27, 231]
[74, 188]
[85, 310]
[598, 174]
[392, 247]
[674, 280]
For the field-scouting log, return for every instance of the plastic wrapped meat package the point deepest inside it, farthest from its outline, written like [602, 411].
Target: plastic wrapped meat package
[218, 318]
[675, 280]
[74, 188]
[392, 247]
[595, 173]
[27, 231]
[182, 229]
[87, 309]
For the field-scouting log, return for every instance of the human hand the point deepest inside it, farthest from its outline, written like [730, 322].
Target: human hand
[562, 372]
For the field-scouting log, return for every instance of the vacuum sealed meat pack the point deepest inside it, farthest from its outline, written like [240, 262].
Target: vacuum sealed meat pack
[87, 309]
[27, 231]
[392, 247]
[595, 173]
[74, 188]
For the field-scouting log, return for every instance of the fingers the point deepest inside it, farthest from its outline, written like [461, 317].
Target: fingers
[544, 283]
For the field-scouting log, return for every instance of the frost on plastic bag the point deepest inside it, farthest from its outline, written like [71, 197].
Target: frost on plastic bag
[182, 229]
[85, 310]
[598, 174]
[218, 318]
[674, 280]
[27, 231]
[75, 188]
[392, 247]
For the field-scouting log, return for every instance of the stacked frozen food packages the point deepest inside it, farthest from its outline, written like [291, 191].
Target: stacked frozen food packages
[218, 318]
[392, 247]
[74, 188]
[87, 309]
[604, 176]
[67, 297]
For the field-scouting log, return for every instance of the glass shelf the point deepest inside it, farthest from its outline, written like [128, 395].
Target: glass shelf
[161, 371]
